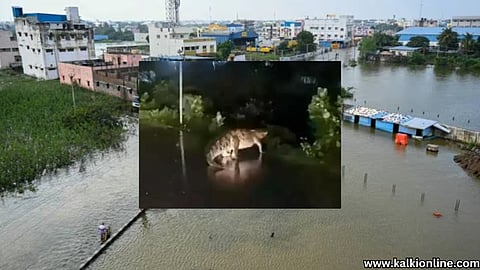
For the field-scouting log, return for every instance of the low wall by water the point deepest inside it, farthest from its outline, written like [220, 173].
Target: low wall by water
[462, 135]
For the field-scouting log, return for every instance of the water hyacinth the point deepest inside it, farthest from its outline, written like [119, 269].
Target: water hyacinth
[41, 132]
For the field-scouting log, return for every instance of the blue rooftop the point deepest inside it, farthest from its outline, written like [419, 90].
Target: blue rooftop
[437, 30]
[404, 48]
[289, 23]
[419, 123]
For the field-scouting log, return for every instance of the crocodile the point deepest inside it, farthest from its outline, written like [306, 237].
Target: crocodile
[226, 147]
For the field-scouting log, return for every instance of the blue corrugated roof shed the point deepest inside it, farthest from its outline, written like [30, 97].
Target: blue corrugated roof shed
[433, 32]
[404, 48]
[44, 17]
[380, 115]
[419, 123]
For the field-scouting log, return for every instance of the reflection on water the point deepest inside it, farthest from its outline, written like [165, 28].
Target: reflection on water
[174, 174]
[237, 174]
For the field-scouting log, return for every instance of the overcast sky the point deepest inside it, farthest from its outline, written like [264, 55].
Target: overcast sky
[247, 9]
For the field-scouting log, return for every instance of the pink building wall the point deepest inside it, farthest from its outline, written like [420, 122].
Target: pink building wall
[82, 75]
[120, 59]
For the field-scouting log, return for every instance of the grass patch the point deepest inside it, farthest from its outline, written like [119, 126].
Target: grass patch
[40, 131]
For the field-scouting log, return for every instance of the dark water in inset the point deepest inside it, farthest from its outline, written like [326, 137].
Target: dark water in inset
[269, 182]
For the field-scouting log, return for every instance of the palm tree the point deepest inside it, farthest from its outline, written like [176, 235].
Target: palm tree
[468, 43]
[448, 39]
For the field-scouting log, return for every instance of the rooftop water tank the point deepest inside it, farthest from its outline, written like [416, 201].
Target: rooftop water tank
[17, 12]
[72, 14]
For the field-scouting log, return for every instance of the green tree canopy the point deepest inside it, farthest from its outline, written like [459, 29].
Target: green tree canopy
[305, 42]
[224, 49]
[419, 42]
[448, 40]
[367, 45]
[382, 39]
[468, 43]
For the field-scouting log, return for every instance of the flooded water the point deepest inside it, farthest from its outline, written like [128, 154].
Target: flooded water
[450, 97]
[374, 222]
[56, 227]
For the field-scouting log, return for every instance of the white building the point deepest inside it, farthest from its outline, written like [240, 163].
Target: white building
[270, 31]
[46, 39]
[9, 55]
[465, 21]
[165, 41]
[331, 30]
[290, 29]
[140, 37]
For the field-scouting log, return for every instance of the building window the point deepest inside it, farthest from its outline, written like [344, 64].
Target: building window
[39, 51]
[329, 28]
[19, 34]
[341, 36]
[36, 67]
[336, 28]
[70, 49]
[83, 49]
[341, 29]
[25, 34]
[53, 68]
[61, 50]
[30, 66]
[88, 83]
[28, 47]
[118, 88]
[49, 50]
[41, 69]
[31, 37]
[321, 28]
[108, 85]
[98, 83]
[79, 81]
[130, 91]
[18, 58]
[336, 35]
[212, 48]
[33, 49]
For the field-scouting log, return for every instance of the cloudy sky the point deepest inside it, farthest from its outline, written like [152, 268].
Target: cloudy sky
[247, 9]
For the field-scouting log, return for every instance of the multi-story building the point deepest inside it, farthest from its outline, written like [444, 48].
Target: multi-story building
[166, 41]
[290, 29]
[335, 32]
[270, 30]
[465, 21]
[46, 39]
[9, 55]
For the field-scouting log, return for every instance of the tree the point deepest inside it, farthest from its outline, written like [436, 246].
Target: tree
[468, 43]
[305, 42]
[382, 39]
[367, 45]
[283, 47]
[224, 49]
[419, 42]
[448, 40]
[143, 28]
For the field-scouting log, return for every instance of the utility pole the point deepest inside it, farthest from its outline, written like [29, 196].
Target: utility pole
[180, 87]
[73, 91]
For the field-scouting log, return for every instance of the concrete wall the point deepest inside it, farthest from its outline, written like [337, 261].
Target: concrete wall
[82, 75]
[121, 59]
[462, 135]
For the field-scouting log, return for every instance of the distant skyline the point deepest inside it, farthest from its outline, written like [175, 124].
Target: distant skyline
[140, 10]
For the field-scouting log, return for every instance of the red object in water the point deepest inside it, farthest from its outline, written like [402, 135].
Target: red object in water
[401, 139]
[437, 214]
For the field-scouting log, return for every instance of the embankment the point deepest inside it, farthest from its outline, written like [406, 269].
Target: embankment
[470, 161]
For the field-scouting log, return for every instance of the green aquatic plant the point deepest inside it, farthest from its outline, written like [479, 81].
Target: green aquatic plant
[40, 131]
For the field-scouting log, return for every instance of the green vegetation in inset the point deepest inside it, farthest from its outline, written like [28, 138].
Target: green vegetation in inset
[325, 119]
[40, 131]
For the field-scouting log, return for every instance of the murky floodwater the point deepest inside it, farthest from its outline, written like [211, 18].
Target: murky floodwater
[55, 228]
[373, 221]
[450, 97]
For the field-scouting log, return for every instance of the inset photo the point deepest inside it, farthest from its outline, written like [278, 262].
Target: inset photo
[239, 134]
